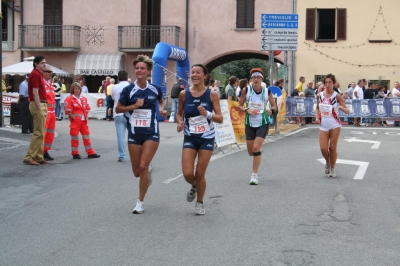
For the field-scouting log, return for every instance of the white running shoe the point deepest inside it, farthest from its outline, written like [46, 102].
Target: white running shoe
[327, 168]
[332, 173]
[191, 195]
[200, 209]
[139, 207]
[254, 180]
[151, 168]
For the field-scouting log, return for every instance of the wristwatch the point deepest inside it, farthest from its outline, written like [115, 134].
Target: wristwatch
[245, 109]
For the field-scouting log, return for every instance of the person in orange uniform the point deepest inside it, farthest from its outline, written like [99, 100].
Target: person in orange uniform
[50, 126]
[77, 108]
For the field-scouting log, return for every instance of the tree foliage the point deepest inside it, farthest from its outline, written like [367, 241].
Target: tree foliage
[241, 68]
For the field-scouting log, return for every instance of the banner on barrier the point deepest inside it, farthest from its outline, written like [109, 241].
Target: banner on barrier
[9, 98]
[368, 108]
[237, 119]
[96, 101]
[224, 133]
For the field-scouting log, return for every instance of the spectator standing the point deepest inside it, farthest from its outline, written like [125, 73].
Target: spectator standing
[50, 125]
[119, 118]
[242, 84]
[214, 87]
[358, 94]
[230, 89]
[38, 109]
[396, 94]
[350, 92]
[84, 88]
[77, 108]
[27, 122]
[309, 93]
[370, 93]
[4, 87]
[100, 90]
[63, 88]
[57, 92]
[301, 86]
[176, 89]
[110, 102]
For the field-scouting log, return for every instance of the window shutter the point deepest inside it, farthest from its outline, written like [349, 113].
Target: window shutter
[52, 12]
[156, 9]
[310, 23]
[341, 24]
[143, 12]
[249, 14]
[240, 13]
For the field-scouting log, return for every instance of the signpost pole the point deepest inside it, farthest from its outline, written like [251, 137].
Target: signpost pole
[271, 68]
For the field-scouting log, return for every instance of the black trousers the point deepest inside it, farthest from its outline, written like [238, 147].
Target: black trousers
[27, 120]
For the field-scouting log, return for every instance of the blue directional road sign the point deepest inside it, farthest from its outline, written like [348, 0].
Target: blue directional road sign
[279, 32]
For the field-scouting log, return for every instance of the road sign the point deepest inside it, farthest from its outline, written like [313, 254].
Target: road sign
[279, 39]
[279, 17]
[279, 32]
[278, 46]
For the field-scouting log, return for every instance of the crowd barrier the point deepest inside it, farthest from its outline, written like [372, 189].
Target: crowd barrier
[386, 108]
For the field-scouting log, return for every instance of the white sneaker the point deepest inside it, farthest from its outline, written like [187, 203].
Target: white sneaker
[332, 173]
[254, 180]
[200, 209]
[139, 207]
[327, 168]
[151, 168]
[191, 195]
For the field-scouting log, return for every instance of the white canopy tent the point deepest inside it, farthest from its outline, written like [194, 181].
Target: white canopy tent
[26, 67]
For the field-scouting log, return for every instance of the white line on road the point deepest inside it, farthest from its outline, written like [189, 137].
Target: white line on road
[13, 142]
[230, 152]
[375, 142]
[362, 167]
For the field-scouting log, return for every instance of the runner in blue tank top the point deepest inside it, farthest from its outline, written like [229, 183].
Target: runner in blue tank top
[138, 103]
[195, 117]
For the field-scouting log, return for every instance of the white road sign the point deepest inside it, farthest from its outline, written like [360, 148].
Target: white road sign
[279, 39]
[280, 32]
[277, 46]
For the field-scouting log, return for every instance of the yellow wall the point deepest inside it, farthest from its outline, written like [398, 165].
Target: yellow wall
[319, 58]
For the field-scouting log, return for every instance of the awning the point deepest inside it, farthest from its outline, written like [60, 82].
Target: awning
[25, 67]
[99, 64]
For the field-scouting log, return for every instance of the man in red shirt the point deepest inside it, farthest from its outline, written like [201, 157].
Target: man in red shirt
[38, 108]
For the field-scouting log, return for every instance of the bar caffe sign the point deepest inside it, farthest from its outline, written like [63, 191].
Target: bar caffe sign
[96, 72]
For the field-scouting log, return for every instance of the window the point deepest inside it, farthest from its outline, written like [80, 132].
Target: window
[245, 14]
[326, 25]
[8, 27]
[52, 20]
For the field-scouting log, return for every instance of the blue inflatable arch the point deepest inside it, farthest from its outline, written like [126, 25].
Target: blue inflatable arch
[162, 53]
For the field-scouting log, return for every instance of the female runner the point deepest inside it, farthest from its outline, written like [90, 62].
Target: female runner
[138, 102]
[328, 105]
[195, 117]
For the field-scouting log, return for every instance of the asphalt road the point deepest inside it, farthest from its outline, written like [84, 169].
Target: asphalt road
[78, 212]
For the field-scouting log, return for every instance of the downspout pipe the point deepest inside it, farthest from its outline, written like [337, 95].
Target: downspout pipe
[22, 23]
[187, 28]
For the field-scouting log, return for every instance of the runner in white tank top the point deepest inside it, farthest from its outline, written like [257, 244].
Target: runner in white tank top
[328, 106]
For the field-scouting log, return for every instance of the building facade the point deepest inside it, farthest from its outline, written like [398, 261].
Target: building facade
[96, 38]
[351, 39]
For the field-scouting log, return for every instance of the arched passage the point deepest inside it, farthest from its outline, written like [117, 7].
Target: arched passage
[238, 55]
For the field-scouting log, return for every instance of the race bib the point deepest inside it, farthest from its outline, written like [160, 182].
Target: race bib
[257, 106]
[198, 124]
[140, 118]
[325, 109]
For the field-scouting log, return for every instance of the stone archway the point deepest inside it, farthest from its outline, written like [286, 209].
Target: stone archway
[238, 55]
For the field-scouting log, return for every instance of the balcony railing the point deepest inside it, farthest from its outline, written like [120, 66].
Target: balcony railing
[145, 38]
[62, 38]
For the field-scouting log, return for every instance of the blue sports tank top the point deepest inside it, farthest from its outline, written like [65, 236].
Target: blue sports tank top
[197, 125]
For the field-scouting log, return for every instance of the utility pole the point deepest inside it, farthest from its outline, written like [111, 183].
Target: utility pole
[1, 64]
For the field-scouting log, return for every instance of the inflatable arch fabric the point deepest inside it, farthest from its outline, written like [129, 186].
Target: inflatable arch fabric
[162, 53]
